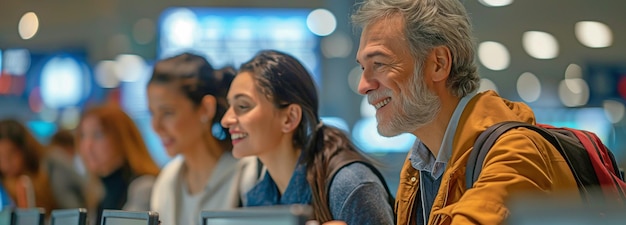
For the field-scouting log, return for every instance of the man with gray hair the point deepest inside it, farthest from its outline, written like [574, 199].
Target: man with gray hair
[419, 73]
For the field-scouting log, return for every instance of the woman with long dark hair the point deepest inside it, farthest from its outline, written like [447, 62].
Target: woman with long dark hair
[273, 114]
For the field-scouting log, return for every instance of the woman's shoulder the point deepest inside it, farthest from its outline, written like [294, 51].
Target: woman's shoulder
[171, 170]
[143, 182]
[357, 188]
[139, 193]
[353, 175]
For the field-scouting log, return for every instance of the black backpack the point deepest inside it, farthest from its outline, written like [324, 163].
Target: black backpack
[591, 162]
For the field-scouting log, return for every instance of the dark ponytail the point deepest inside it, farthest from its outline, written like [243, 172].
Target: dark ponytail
[334, 150]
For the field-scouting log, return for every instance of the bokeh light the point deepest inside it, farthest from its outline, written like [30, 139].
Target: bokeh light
[493, 55]
[487, 84]
[321, 22]
[337, 45]
[528, 87]
[28, 25]
[614, 110]
[495, 3]
[540, 45]
[594, 34]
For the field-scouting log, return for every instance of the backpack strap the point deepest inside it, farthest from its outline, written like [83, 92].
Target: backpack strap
[610, 177]
[487, 139]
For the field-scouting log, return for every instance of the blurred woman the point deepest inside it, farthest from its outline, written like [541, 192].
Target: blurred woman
[273, 114]
[187, 99]
[62, 147]
[113, 150]
[68, 185]
[21, 171]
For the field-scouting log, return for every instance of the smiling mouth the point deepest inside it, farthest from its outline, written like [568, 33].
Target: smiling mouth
[382, 103]
[238, 136]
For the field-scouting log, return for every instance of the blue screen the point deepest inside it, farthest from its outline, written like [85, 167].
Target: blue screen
[231, 36]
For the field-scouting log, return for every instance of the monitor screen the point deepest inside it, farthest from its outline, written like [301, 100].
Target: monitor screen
[69, 217]
[120, 217]
[5, 217]
[262, 215]
[32, 216]
[270, 220]
[26, 220]
[231, 36]
[65, 220]
[124, 221]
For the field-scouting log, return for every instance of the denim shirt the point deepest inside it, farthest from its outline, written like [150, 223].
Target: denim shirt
[356, 195]
[266, 192]
[423, 160]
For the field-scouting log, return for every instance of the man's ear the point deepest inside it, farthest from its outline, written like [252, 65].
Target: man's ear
[209, 104]
[293, 116]
[441, 61]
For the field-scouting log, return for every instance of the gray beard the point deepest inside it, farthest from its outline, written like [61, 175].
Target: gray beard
[417, 109]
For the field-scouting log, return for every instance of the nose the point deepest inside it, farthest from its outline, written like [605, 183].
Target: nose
[229, 118]
[84, 146]
[367, 83]
[156, 124]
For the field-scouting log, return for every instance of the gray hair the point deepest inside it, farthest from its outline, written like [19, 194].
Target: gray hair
[428, 24]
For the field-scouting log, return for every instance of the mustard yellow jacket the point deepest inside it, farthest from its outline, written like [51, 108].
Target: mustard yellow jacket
[520, 161]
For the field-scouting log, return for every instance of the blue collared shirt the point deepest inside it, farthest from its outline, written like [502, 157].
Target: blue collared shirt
[423, 160]
[266, 192]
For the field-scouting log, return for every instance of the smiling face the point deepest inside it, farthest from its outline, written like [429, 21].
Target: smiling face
[252, 120]
[391, 80]
[12, 162]
[177, 121]
[96, 148]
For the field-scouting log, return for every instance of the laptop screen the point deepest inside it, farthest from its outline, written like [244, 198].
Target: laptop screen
[5, 217]
[65, 220]
[124, 221]
[120, 217]
[69, 217]
[265, 215]
[33, 216]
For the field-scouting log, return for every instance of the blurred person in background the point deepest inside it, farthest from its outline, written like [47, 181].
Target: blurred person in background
[273, 114]
[21, 171]
[62, 146]
[113, 151]
[68, 185]
[187, 99]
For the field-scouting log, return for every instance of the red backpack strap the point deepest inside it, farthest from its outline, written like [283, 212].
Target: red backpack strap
[603, 164]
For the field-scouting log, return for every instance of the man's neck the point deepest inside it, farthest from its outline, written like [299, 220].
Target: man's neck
[432, 134]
